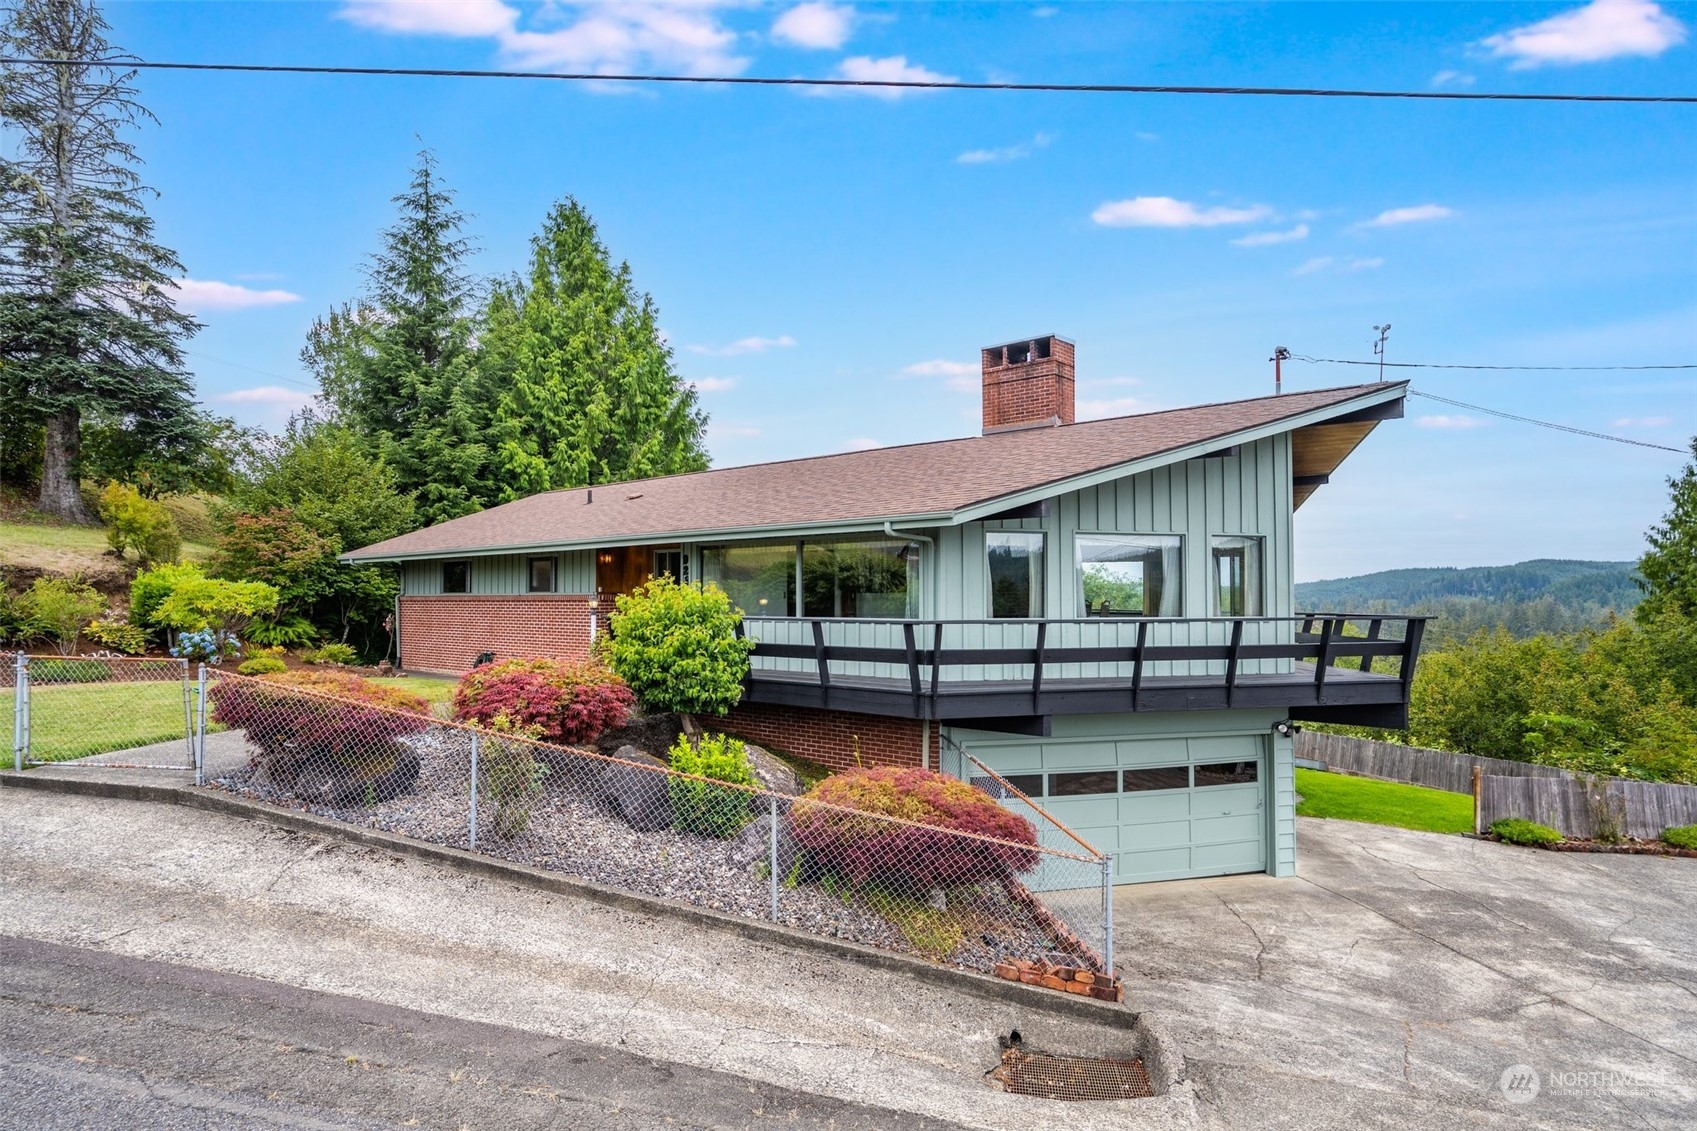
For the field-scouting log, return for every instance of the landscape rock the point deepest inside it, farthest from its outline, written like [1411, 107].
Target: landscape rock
[753, 845]
[772, 773]
[651, 734]
[642, 797]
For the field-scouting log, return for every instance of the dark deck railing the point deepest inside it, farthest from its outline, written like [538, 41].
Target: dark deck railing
[1039, 667]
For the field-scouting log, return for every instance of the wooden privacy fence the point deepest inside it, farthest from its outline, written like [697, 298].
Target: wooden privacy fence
[1438, 769]
[1597, 809]
[1575, 805]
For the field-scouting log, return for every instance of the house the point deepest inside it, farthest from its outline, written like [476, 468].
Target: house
[1102, 611]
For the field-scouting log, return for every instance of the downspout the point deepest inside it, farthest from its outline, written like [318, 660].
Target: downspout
[924, 724]
[401, 586]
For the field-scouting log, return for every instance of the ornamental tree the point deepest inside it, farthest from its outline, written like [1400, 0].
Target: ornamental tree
[677, 647]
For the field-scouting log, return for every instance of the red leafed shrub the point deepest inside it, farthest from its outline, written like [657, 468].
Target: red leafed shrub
[320, 748]
[858, 846]
[571, 703]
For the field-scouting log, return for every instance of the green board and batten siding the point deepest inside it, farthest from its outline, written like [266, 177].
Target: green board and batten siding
[502, 574]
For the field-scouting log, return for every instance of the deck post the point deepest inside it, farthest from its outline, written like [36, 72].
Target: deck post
[1037, 668]
[1137, 662]
[1231, 660]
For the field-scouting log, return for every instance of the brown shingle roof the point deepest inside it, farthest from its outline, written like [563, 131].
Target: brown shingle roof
[914, 481]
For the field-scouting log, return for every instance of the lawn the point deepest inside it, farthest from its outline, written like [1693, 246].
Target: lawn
[78, 719]
[66, 550]
[1383, 802]
[440, 692]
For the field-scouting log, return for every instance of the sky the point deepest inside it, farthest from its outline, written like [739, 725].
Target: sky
[827, 266]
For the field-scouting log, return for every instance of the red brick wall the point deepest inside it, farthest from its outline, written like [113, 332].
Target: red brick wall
[444, 634]
[829, 737]
[1024, 392]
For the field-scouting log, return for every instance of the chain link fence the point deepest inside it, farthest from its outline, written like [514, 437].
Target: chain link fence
[99, 711]
[967, 898]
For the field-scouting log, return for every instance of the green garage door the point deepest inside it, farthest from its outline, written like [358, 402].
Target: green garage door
[1166, 809]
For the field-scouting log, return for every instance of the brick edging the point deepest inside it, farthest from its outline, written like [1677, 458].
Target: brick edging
[755, 930]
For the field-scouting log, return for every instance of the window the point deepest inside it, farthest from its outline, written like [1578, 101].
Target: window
[1161, 777]
[1130, 575]
[541, 575]
[760, 580]
[1029, 784]
[1016, 573]
[670, 563]
[1226, 773]
[873, 579]
[456, 577]
[1236, 589]
[1085, 783]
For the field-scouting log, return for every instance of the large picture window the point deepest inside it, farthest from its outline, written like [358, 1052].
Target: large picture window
[872, 579]
[1131, 575]
[760, 580]
[1016, 573]
[1237, 589]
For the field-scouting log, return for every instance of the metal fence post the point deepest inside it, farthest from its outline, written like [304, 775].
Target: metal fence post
[772, 839]
[1108, 912]
[20, 705]
[200, 727]
[474, 745]
[188, 713]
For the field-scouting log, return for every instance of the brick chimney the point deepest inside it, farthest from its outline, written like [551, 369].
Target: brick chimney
[1028, 384]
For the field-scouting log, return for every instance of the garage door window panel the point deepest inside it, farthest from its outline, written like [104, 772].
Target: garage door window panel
[1227, 773]
[1085, 784]
[1159, 777]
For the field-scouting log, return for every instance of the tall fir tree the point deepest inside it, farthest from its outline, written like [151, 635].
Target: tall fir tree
[88, 322]
[586, 392]
[398, 366]
[1669, 566]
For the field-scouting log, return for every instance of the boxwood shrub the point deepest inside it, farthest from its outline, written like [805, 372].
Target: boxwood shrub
[844, 836]
[565, 702]
[1517, 830]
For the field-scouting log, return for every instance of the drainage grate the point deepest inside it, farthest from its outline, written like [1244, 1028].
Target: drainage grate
[1070, 1077]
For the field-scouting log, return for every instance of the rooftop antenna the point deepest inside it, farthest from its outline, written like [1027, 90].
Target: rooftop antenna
[1280, 354]
[1379, 347]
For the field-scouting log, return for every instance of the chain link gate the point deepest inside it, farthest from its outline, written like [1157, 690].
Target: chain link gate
[102, 712]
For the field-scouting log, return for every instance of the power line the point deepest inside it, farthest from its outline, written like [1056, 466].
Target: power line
[1544, 423]
[876, 84]
[1532, 368]
[262, 372]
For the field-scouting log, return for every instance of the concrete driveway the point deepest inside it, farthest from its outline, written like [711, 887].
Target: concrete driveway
[1397, 977]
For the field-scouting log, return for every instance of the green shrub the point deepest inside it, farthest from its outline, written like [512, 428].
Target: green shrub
[701, 807]
[224, 606]
[15, 624]
[918, 851]
[58, 609]
[262, 665]
[285, 632]
[119, 635]
[150, 588]
[139, 524]
[1516, 830]
[332, 653]
[510, 775]
[1681, 836]
[677, 647]
[69, 671]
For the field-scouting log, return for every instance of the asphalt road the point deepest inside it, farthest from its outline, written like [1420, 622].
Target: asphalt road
[91, 1041]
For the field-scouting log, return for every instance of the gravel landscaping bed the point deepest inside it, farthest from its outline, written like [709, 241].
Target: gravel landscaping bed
[578, 834]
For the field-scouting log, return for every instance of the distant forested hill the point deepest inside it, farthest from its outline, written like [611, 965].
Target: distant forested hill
[1527, 598]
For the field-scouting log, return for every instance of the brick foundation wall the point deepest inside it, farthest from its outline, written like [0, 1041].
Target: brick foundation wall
[828, 737]
[444, 634]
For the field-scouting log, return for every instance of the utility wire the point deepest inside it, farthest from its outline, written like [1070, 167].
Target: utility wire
[1544, 423]
[874, 84]
[1538, 368]
[261, 372]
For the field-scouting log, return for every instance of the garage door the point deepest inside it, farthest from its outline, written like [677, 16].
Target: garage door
[1166, 809]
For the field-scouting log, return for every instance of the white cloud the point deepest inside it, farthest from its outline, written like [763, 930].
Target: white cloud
[278, 400]
[746, 345]
[1117, 406]
[713, 384]
[1327, 262]
[1455, 423]
[1266, 239]
[1006, 153]
[465, 18]
[1643, 422]
[1602, 29]
[958, 376]
[1415, 214]
[604, 38]
[207, 294]
[893, 68]
[820, 26]
[738, 431]
[861, 444]
[1044, 12]
[1452, 78]
[1165, 212]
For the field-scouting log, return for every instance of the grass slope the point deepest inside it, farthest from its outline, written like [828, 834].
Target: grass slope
[1382, 803]
[67, 551]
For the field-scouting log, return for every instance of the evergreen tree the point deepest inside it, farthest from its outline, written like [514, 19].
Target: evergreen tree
[1669, 566]
[586, 389]
[87, 319]
[398, 366]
